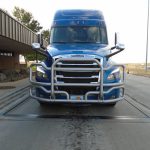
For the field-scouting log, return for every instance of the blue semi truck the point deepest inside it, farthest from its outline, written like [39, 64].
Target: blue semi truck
[78, 66]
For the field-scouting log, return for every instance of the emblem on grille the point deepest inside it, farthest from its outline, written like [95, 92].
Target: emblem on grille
[77, 55]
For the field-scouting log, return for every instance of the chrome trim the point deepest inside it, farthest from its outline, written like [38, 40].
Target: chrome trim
[75, 101]
[78, 84]
[61, 64]
[56, 84]
[105, 92]
[76, 69]
[61, 76]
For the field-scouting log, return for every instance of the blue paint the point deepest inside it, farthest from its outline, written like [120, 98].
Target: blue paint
[80, 18]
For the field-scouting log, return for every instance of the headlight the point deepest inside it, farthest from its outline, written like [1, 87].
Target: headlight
[114, 75]
[111, 77]
[41, 73]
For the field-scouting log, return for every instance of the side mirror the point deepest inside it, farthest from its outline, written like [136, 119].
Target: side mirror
[116, 38]
[37, 47]
[120, 47]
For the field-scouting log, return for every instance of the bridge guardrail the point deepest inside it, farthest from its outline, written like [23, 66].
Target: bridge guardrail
[15, 30]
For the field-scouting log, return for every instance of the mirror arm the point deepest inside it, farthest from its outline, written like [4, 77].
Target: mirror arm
[41, 51]
[112, 54]
[112, 47]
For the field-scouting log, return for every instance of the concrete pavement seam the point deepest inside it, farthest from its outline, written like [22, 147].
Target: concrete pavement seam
[12, 92]
[137, 105]
[13, 105]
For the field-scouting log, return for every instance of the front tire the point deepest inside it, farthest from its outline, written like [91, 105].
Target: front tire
[111, 104]
[43, 103]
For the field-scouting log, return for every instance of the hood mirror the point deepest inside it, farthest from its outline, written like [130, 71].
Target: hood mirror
[37, 47]
[120, 46]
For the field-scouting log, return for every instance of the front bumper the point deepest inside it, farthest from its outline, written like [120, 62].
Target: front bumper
[96, 96]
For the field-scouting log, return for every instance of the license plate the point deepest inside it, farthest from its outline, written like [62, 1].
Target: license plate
[77, 97]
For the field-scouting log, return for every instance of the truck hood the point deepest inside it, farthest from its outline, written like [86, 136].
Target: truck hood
[90, 49]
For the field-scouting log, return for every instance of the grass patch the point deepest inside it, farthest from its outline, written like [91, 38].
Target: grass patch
[138, 69]
[34, 68]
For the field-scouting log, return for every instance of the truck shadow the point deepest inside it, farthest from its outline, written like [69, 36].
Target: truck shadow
[77, 110]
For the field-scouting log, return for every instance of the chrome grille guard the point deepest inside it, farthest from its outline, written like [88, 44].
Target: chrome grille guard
[54, 84]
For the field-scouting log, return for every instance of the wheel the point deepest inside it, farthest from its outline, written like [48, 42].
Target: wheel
[46, 104]
[111, 104]
[42, 103]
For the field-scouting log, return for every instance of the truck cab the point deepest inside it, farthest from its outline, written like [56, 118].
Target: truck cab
[78, 66]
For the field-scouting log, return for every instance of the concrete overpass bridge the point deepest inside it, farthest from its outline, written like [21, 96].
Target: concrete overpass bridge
[15, 39]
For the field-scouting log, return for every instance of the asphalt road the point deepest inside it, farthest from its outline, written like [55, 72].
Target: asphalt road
[61, 127]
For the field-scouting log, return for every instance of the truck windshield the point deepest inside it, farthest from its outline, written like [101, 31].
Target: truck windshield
[78, 34]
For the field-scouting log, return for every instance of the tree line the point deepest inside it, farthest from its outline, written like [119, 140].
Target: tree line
[27, 19]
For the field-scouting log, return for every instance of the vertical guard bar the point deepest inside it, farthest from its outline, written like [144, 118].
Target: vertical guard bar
[101, 81]
[52, 79]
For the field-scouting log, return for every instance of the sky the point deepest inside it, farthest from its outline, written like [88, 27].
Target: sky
[127, 17]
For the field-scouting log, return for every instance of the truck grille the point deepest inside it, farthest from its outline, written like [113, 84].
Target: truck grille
[79, 73]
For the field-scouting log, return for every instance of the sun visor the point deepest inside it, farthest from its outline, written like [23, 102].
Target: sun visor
[64, 22]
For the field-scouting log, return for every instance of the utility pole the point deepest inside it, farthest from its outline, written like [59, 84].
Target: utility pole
[146, 63]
